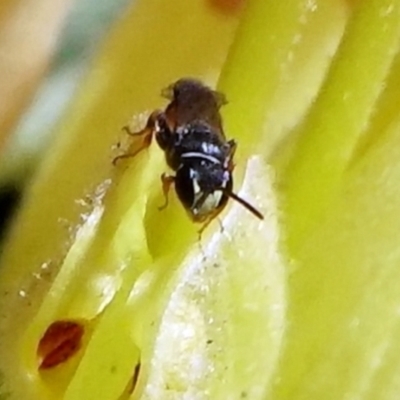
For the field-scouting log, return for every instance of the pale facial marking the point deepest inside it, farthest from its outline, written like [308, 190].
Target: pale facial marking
[210, 204]
[209, 148]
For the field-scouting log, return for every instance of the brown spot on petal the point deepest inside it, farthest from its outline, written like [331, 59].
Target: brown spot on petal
[130, 387]
[59, 343]
[227, 6]
[134, 379]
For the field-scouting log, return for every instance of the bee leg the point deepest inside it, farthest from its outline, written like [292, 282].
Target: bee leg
[232, 149]
[167, 181]
[208, 222]
[203, 228]
[147, 134]
[221, 226]
[150, 125]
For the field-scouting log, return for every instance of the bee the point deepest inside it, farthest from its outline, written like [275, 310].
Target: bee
[190, 132]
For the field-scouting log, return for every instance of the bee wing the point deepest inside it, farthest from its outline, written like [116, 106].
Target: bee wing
[168, 92]
[220, 99]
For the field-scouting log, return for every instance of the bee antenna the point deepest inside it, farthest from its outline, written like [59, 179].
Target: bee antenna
[244, 203]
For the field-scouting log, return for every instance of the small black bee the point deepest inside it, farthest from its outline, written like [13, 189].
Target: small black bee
[191, 134]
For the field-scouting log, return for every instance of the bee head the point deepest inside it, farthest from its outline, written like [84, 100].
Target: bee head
[202, 188]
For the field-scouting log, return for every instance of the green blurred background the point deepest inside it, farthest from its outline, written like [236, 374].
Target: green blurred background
[83, 28]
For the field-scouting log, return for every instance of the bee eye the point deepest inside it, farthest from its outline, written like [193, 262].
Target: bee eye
[186, 186]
